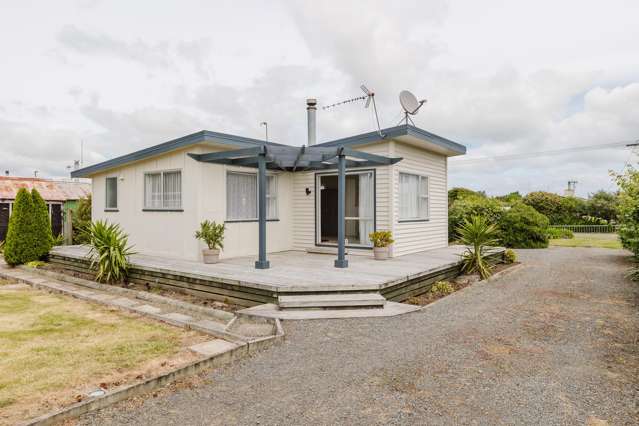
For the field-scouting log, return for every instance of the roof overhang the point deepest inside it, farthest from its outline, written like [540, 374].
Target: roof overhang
[204, 136]
[405, 133]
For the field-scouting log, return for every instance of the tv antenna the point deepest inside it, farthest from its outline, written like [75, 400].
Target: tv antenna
[369, 98]
[410, 104]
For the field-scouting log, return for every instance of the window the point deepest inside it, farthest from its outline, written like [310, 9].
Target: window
[163, 190]
[241, 196]
[111, 202]
[413, 197]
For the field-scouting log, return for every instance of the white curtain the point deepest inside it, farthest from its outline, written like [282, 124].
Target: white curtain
[423, 197]
[153, 191]
[111, 193]
[271, 197]
[241, 196]
[408, 196]
[366, 207]
[172, 190]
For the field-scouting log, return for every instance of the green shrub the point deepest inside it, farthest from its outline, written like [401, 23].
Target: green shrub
[109, 252]
[81, 221]
[559, 210]
[58, 240]
[463, 193]
[510, 256]
[212, 234]
[560, 233]
[464, 209]
[20, 245]
[441, 288]
[603, 205]
[628, 213]
[524, 227]
[35, 264]
[480, 237]
[381, 238]
[41, 225]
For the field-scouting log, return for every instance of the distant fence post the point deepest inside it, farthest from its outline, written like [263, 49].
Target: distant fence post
[67, 229]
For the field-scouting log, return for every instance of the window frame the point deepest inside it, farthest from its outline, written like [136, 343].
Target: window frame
[162, 208]
[108, 208]
[420, 198]
[257, 197]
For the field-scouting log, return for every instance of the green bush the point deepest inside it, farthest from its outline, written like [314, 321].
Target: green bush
[463, 193]
[628, 212]
[109, 252]
[510, 256]
[603, 205]
[480, 237]
[464, 209]
[559, 210]
[560, 233]
[524, 227]
[20, 245]
[81, 221]
[41, 225]
[441, 288]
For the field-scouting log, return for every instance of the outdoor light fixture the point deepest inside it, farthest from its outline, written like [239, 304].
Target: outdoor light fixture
[308, 191]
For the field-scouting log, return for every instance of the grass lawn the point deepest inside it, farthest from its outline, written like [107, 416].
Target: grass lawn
[55, 349]
[589, 240]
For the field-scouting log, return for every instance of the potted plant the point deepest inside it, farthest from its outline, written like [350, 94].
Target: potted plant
[213, 235]
[381, 244]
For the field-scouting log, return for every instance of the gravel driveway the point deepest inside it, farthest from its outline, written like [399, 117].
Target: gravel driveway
[554, 342]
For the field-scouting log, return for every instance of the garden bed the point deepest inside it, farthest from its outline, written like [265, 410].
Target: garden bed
[229, 307]
[55, 350]
[456, 284]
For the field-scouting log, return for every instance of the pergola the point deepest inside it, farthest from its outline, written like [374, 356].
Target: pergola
[297, 159]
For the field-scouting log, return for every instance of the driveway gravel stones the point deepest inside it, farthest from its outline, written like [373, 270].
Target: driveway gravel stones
[554, 342]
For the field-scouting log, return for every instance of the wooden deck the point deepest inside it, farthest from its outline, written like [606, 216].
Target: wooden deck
[292, 272]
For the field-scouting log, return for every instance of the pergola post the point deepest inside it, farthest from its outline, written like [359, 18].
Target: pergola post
[341, 261]
[262, 263]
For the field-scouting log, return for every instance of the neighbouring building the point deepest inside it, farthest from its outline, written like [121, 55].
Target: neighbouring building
[60, 196]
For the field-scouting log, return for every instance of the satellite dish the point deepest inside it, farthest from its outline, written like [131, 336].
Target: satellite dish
[410, 104]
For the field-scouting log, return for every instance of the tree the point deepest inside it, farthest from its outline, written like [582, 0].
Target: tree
[41, 225]
[462, 193]
[628, 209]
[20, 245]
[510, 198]
[603, 205]
[81, 220]
[559, 210]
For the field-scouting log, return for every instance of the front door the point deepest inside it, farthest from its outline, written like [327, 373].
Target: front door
[359, 208]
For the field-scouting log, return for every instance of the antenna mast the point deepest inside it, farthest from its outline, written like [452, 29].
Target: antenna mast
[370, 97]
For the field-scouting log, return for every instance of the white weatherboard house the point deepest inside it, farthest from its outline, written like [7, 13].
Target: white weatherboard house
[393, 180]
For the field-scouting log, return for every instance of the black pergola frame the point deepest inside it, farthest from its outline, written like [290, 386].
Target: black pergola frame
[298, 159]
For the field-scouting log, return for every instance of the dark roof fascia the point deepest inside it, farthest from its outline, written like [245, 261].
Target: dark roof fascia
[182, 142]
[394, 132]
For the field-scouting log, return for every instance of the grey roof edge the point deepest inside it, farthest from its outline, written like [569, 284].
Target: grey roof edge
[181, 142]
[393, 132]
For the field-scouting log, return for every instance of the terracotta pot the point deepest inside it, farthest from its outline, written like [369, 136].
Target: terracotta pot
[211, 255]
[381, 253]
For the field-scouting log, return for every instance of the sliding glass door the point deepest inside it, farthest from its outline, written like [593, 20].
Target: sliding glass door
[359, 208]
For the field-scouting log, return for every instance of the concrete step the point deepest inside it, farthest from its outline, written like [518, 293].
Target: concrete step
[332, 301]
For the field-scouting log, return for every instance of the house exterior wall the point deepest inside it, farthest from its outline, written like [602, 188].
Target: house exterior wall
[411, 237]
[304, 213]
[171, 233]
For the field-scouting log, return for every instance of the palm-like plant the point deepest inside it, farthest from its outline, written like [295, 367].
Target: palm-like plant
[480, 237]
[109, 251]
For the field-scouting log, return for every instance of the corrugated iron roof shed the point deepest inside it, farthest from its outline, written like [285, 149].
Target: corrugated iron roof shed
[51, 190]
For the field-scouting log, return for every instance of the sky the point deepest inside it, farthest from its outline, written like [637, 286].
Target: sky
[501, 77]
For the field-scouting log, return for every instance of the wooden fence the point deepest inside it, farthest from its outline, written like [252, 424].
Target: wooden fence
[589, 229]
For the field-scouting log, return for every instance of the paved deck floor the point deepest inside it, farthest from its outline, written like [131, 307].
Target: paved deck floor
[554, 342]
[298, 270]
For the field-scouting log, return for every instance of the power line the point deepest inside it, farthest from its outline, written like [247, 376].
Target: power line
[524, 155]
